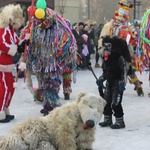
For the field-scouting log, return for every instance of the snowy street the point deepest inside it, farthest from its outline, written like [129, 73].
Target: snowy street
[136, 135]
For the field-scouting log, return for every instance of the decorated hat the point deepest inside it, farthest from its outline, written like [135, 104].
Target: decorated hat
[124, 9]
[39, 10]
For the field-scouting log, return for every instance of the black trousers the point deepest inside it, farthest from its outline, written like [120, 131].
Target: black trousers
[113, 97]
[96, 55]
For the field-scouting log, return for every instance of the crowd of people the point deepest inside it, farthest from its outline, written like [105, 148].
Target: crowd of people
[53, 44]
[87, 42]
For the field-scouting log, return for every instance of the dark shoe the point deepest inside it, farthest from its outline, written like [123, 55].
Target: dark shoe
[10, 117]
[117, 125]
[40, 100]
[46, 113]
[105, 123]
[5, 120]
[140, 91]
[66, 96]
[43, 111]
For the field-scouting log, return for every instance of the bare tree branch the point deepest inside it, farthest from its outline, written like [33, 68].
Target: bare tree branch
[61, 6]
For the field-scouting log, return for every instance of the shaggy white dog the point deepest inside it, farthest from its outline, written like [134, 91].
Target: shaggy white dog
[69, 127]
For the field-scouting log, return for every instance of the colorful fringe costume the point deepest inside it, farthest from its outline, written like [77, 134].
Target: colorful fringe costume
[143, 51]
[51, 56]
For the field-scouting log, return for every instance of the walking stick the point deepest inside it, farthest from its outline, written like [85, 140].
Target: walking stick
[100, 89]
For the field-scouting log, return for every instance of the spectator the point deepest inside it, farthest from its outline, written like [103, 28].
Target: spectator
[80, 45]
[81, 26]
[91, 38]
[97, 32]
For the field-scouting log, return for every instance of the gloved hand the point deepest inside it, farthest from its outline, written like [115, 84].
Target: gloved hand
[121, 86]
[12, 51]
[27, 42]
[21, 47]
[100, 81]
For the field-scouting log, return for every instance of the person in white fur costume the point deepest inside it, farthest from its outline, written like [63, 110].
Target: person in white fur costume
[69, 127]
[11, 18]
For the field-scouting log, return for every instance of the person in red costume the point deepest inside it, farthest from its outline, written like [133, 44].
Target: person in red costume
[11, 18]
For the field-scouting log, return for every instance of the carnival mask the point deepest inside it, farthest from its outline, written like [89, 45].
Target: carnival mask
[107, 50]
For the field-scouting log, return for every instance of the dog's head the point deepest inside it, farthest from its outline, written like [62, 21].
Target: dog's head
[91, 108]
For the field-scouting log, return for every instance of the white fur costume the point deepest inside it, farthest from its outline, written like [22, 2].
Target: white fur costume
[65, 128]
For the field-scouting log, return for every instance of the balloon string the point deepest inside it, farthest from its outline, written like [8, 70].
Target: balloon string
[30, 17]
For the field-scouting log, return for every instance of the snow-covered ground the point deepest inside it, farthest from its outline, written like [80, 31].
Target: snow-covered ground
[136, 135]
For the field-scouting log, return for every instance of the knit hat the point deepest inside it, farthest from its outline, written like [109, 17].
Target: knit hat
[85, 37]
[74, 27]
[123, 11]
[81, 23]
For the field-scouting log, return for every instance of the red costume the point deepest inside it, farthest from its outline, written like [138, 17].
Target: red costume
[11, 18]
[7, 38]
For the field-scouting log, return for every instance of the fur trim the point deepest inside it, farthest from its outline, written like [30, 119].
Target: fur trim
[7, 111]
[7, 68]
[2, 115]
[13, 49]
[22, 66]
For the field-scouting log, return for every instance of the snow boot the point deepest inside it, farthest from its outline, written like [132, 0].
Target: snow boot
[3, 118]
[7, 113]
[140, 91]
[119, 124]
[107, 121]
[66, 96]
[10, 117]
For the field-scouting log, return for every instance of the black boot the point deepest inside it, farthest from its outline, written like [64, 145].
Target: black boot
[119, 124]
[10, 117]
[5, 120]
[140, 91]
[66, 96]
[107, 121]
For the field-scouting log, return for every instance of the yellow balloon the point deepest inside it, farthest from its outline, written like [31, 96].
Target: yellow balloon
[39, 13]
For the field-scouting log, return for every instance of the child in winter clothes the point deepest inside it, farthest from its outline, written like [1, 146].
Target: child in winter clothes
[115, 67]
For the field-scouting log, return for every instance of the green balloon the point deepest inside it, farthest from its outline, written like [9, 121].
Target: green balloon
[41, 4]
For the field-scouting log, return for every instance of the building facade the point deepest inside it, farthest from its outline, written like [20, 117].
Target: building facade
[83, 10]
[25, 4]
[98, 10]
